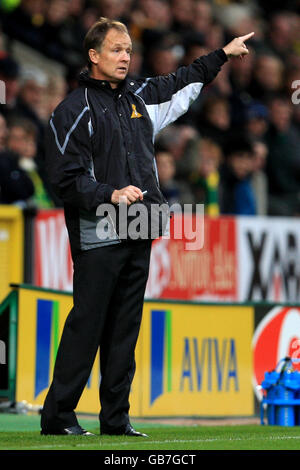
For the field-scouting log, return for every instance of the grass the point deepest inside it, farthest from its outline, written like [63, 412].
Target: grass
[21, 432]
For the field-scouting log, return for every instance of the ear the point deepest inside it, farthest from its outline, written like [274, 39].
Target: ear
[94, 56]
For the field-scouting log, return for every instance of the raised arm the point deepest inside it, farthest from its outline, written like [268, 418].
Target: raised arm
[168, 97]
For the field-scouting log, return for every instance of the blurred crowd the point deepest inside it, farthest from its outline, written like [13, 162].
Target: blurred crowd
[237, 149]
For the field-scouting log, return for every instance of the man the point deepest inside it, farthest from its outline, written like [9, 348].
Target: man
[100, 152]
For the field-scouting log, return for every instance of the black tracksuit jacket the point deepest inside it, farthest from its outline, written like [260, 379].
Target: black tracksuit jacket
[100, 139]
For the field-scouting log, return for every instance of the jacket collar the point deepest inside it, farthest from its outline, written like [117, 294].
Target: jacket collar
[86, 80]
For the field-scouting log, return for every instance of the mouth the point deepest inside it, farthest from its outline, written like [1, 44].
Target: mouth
[122, 69]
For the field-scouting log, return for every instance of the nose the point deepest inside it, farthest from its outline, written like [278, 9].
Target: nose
[125, 56]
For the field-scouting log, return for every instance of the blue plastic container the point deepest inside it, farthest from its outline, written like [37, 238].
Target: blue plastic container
[283, 395]
[297, 409]
[285, 413]
[269, 384]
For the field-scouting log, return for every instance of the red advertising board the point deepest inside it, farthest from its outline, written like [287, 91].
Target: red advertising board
[52, 264]
[180, 268]
[208, 273]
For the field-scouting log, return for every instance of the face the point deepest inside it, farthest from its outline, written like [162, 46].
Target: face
[21, 142]
[269, 72]
[111, 63]
[257, 126]
[165, 167]
[219, 115]
[242, 164]
[281, 114]
[163, 62]
[32, 93]
[209, 158]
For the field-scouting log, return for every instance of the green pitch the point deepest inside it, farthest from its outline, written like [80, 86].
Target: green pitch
[21, 432]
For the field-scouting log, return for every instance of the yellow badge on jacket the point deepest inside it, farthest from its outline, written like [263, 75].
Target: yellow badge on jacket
[135, 114]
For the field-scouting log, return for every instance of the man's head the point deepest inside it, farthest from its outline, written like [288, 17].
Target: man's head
[107, 47]
[239, 156]
[281, 112]
[209, 157]
[165, 166]
[33, 87]
[22, 135]
[10, 75]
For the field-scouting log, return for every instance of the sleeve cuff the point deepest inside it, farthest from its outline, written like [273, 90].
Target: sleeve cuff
[221, 54]
[108, 192]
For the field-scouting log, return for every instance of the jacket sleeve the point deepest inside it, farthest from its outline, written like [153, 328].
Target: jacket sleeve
[69, 161]
[168, 97]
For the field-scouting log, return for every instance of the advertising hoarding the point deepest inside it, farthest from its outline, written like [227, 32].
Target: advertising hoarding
[191, 359]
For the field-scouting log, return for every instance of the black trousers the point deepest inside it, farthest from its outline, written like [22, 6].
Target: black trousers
[108, 290]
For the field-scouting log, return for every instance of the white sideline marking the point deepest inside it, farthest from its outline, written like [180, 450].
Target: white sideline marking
[166, 441]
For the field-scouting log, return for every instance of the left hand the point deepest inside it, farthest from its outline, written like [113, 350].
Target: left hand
[237, 47]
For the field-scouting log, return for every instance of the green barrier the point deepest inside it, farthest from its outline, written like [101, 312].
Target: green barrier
[8, 329]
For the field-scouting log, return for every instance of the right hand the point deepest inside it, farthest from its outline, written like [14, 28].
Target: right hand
[126, 195]
[237, 47]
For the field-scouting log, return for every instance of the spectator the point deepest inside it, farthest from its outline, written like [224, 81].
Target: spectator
[15, 184]
[215, 37]
[241, 72]
[22, 141]
[267, 78]
[259, 181]
[222, 87]
[168, 33]
[136, 61]
[31, 99]
[205, 177]
[256, 120]
[62, 35]
[150, 15]
[55, 92]
[162, 60]
[194, 47]
[268, 8]
[175, 192]
[236, 18]
[9, 74]
[215, 120]
[281, 36]
[283, 163]
[114, 9]
[202, 17]
[240, 76]
[236, 193]
[182, 15]
[25, 23]
[179, 140]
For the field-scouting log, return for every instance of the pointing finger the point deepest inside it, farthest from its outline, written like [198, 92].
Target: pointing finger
[247, 36]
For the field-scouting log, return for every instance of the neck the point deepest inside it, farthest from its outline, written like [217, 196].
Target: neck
[96, 76]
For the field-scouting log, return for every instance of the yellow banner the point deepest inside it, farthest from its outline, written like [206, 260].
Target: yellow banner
[192, 360]
[41, 317]
[11, 247]
[195, 360]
